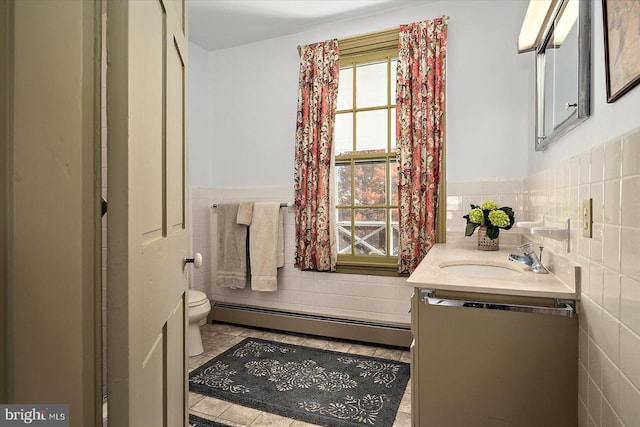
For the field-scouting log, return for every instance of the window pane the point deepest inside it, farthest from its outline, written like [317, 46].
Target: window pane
[345, 89]
[343, 134]
[395, 233]
[394, 66]
[371, 85]
[393, 185]
[370, 232]
[344, 231]
[369, 183]
[371, 131]
[394, 142]
[343, 184]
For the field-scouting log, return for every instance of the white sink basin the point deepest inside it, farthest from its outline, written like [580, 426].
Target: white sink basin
[480, 270]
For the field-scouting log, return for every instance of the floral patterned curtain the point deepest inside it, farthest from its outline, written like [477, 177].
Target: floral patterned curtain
[420, 112]
[317, 97]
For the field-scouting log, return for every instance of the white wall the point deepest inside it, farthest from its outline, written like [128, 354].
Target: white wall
[254, 95]
[199, 114]
[607, 121]
[251, 95]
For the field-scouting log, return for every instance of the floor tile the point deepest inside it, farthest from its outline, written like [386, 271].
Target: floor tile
[194, 398]
[266, 419]
[217, 338]
[211, 406]
[240, 414]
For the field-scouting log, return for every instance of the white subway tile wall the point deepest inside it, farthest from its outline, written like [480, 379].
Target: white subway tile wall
[373, 298]
[460, 195]
[609, 357]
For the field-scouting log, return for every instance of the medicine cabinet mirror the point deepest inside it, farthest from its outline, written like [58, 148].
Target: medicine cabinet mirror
[563, 72]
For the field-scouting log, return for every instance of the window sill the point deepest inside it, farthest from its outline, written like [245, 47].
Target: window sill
[371, 269]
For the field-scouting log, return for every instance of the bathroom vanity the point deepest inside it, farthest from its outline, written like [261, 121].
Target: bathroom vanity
[494, 343]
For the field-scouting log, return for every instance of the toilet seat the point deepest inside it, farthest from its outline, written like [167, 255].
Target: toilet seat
[197, 298]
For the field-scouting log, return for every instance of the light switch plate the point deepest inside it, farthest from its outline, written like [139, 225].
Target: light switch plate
[587, 218]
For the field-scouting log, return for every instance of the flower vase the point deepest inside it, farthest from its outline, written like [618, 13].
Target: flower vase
[485, 243]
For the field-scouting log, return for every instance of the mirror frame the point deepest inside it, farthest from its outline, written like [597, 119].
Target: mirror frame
[583, 110]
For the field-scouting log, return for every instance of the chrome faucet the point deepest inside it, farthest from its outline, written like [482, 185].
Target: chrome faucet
[529, 258]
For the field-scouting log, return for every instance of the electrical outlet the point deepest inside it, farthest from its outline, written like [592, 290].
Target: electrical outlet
[587, 218]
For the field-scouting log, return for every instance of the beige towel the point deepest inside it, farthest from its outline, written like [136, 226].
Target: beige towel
[280, 242]
[266, 246]
[245, 213]
[231, 265]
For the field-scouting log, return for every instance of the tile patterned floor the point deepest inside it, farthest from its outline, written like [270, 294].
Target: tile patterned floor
[217, 338]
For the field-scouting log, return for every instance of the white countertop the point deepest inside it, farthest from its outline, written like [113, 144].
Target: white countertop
[429, 274]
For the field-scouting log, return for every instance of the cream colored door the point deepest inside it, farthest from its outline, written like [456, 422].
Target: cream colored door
[147, 228]
[49, 271]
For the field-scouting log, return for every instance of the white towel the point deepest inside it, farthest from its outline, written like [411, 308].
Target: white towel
[231, 265]
[266, 246]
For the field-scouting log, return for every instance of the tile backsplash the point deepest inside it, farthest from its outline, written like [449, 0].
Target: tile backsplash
[460, 195]
[371, 298]
[609, 353]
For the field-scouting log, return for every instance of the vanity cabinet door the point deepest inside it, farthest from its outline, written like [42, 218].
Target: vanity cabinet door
[490, 367]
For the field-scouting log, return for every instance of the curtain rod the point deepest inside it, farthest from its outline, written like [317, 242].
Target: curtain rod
[282, 205]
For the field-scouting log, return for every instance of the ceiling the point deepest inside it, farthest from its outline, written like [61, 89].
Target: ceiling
[220, 24]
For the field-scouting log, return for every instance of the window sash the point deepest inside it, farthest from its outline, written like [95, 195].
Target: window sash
[370, 263]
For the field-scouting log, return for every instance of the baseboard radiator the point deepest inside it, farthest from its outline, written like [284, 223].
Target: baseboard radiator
[389, 334]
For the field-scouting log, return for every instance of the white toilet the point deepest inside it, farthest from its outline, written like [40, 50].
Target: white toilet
[199, 308]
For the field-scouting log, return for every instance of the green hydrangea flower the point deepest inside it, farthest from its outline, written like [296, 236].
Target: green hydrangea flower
[476, 216]
[489, 205]
[499, 218]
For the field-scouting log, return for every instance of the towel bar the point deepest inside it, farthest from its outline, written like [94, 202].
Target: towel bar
[282, 205]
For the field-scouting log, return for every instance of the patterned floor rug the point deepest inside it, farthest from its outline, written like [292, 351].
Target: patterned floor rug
[195, 421]
[318, 386]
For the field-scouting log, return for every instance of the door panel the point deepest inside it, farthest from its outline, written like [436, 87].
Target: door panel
[175, 140]
[152, 397]
[180, 11]
[147, 231]
[146, 93]
[174, 363]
